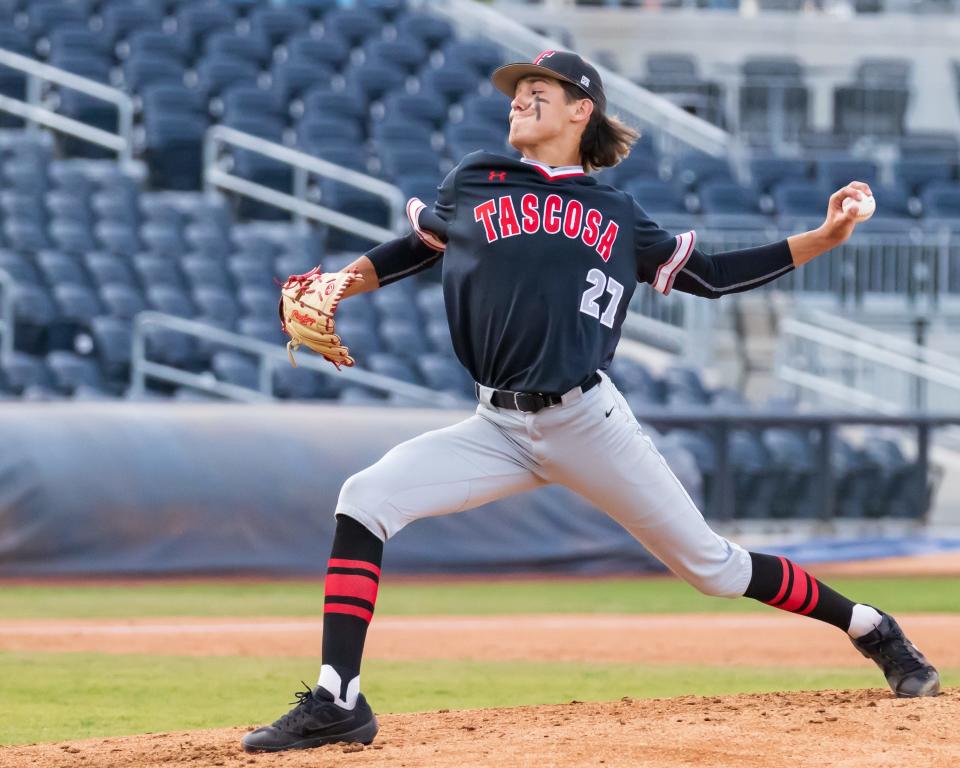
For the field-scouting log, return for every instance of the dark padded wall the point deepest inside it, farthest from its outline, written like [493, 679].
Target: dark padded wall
[167, 488]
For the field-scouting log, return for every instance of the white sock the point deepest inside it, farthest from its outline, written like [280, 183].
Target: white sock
[863, 620]
[330, 680]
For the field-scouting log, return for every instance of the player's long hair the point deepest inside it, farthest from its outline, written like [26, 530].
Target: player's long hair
[606, 140]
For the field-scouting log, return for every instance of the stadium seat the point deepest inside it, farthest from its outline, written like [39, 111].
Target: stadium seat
[422, 107]
[71, 371]
[144, 70]
[217, 306]
[631, 376]
[329, 104]
[656, 197]
[154, 44]
[19, 267]
[398, 131]
[330, 50]
[395, 305]
[173, 151]
[122, 300]
[106, 269]
[236, 368]
[302, 384]
[46, 15]
[799, 199]
[21, 371]
[373, 79]
[406, 53]
[170, 300]
[293, 79]
[403, 338]
[484, 57]
[318, 130]
[489, 109]
[433, 31]
[443, 373]
[352, 24]
[452, 83]
[695, 169]
[277, 24]
[228, 44]
[154, 271]
[941, 200]
[725, 197]
[195, 22]
[119, 19]
[60, 269]
[258, 302]
[393, 366]
[766, 172]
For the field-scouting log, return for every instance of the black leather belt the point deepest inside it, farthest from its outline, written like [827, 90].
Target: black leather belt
[531, 402]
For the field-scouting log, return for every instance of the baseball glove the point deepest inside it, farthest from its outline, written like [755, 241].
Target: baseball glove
[307, 305]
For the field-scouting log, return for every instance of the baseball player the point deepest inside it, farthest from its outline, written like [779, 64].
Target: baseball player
[539, 264]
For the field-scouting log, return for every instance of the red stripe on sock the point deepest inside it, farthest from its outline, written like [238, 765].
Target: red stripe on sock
[785, 564]
[336, 562]
[799, 592]
[813, 599]
[349, 585]
[352, 610]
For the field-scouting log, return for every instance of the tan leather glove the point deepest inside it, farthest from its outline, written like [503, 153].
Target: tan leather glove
[307, 305]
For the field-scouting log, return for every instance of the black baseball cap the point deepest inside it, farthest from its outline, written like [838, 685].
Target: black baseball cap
[561, 65]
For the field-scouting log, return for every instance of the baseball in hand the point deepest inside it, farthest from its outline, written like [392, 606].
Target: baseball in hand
[865, 207]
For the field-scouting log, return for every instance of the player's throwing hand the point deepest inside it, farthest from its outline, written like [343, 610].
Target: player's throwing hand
[840, 223]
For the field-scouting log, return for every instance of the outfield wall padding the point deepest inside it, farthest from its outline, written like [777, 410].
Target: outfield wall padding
[184, 488]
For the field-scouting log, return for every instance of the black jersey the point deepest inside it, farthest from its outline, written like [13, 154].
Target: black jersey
[539, 268]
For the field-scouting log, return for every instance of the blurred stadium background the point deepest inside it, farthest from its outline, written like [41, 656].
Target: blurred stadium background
[163, 162]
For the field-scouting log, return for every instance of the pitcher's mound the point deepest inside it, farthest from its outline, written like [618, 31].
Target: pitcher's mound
[839, 729]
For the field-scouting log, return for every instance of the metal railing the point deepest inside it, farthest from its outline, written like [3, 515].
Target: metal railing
[672, 126]
[33, 111]
[7, 288]
[302, 166]
[679, 323]
[268, 356]
[721, 501]
[831, 359]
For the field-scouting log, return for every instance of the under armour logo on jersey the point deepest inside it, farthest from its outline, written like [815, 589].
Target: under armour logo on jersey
[497, 176]
[543, 55]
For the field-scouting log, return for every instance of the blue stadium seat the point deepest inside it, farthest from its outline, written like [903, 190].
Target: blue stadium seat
[77, 39]
[18, 266]
[767, 172]
[235, 368]
[200, 271]
[452, 83]
[173, 151]
[319, 130]
[360, 337]
[386, 9]
[162, 239]
[432, 30]
[251, 273]
[217, 306]
[444, 373]
[170, 300]
[142, 71]
[793, 456]
[463, 139]
[262, 328]
[483, 56]
[16, 41]
[120, 18]
[208, 242]
[656, 197]
[294, 78]
[941, 200]
[632, 376]
[195, 22]
[695, 169]
[70, 370]
[406, 53]
[359, 308]
[106, 269]
[361, 396]
[227, 44]
[25, 235]
[438, 331]
[373, 80]
[277, 24]
[395, 305]
[258, 302]
[916, 174]
[122, 300]
[398, 131]
[422, 107]
[324, 103]
[26, 177]
[215, 75]
[21, 371]
[164, 98]
[60, 269]
[490, 109]
[316, 8]
[836, 173]
[800, 199]
[431, 303]
[251, 101]
[302, 384]
[116, 209]
[403, 338]
[685, 379]
[727, 197]
[330, 50]
[390, 365]
[69, 205]
[406, 161]
[352, 24]
[156, 271]
[72, 236]
[45, 15]
[154, 44]
[420, 185]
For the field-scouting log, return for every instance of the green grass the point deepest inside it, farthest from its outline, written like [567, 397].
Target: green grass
[52, 697]
[897, 595]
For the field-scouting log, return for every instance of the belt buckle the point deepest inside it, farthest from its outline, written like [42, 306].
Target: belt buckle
[516, 402]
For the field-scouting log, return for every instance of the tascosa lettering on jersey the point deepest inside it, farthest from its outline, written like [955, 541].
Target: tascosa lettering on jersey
[501, 218]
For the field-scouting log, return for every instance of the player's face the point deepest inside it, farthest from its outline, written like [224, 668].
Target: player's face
[540, 113]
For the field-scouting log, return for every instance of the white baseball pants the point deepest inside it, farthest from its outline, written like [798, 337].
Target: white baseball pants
[591, 443]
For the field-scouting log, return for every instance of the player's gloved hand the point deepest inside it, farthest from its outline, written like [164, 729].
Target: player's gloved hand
[430, 228]
[307, 306]
[839, 224]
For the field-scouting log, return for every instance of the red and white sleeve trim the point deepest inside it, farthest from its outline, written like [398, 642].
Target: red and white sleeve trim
[668, 271]
[415, 207]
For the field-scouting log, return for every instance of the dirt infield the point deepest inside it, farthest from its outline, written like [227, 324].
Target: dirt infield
[718, 639]
[842, 729]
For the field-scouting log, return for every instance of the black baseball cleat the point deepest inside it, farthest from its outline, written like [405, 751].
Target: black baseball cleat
[314, 721]
[907, 670]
